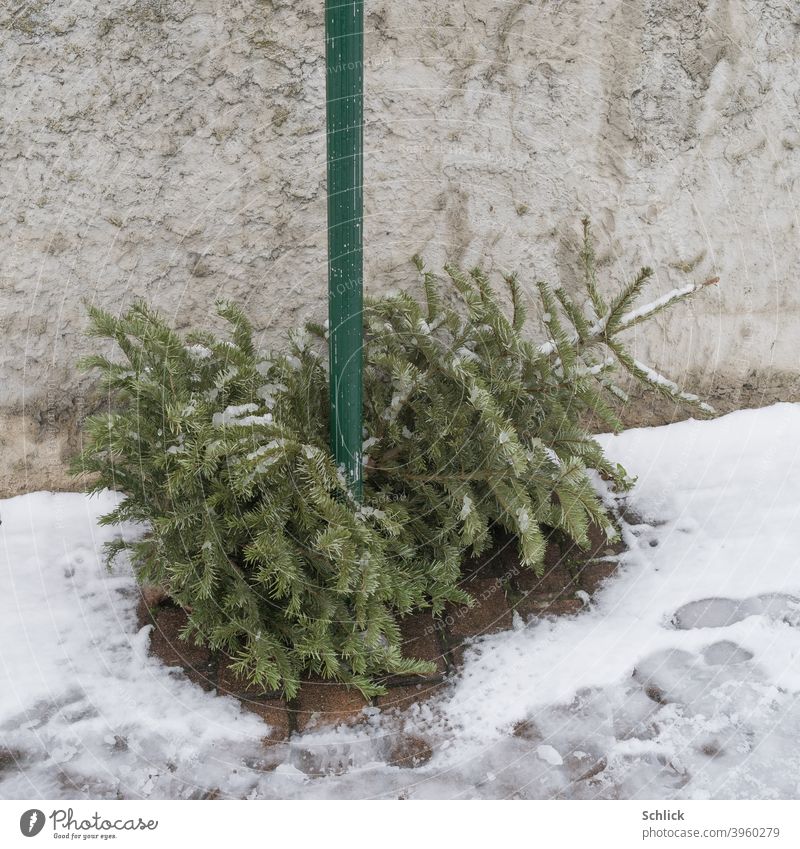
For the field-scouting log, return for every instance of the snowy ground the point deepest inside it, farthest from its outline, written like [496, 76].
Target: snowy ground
[682, 680]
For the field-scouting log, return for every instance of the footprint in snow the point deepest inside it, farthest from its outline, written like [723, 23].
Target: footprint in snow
[725, 653]
[719, 612]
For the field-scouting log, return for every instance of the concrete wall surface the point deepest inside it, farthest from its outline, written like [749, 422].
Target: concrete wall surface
[175, 149]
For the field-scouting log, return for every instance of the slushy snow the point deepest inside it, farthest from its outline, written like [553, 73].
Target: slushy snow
[679, 680]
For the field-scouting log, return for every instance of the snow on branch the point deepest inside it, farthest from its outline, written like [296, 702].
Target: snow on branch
[665, 384]
[605, 329]
[629, 319]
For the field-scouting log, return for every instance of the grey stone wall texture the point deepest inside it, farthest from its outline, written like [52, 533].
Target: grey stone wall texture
[175, 149]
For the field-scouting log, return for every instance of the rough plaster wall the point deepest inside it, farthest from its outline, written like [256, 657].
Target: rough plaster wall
[174, 149]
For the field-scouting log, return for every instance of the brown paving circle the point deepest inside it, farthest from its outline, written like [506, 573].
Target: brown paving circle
[501, 588]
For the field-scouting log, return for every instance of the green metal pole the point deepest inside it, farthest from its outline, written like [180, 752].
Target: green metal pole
[344, 65]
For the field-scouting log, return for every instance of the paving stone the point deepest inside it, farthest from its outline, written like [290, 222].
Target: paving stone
[269, 756]
[144, 615]
[501, 561]
[421, 639]
[592, 575]
[153, 595]
[322, 703]
[549, 604]
[527, 729]
[275, 712]
[409, 751]
[565, 607]
[491, 613]
[326, 759]
[456, 654]
[166, 644]
[230, 684]
[10, 759]
[402, 698]
[584, 768]
[555, 578]
[599, 544]
[536, 596]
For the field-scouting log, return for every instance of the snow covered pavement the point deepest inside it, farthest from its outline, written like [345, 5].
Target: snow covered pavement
[681, 680]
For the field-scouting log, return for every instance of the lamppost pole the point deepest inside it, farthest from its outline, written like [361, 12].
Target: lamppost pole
[344, 66]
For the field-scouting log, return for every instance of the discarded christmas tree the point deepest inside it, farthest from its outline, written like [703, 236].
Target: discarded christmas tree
[221, 453]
